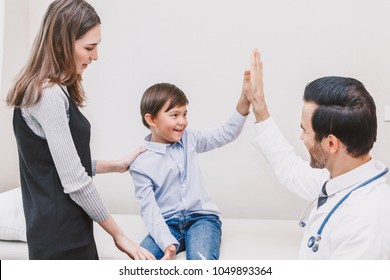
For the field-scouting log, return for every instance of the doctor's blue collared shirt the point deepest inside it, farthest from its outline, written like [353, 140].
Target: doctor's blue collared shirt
[168, 181]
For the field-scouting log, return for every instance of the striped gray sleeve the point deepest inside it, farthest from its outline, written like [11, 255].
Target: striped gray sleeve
[94, 162]
[48, 119]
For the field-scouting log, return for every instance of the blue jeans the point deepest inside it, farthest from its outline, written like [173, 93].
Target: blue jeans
[199, 235]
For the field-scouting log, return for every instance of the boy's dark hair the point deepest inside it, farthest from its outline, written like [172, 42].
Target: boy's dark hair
[346, 110]
[156, 96]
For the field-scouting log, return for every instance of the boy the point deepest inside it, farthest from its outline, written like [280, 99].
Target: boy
[178, 212]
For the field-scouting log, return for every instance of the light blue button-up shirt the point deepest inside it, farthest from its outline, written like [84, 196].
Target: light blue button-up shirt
[167, 177]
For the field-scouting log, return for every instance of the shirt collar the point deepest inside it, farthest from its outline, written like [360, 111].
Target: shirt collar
[160, 148]
[354, 177]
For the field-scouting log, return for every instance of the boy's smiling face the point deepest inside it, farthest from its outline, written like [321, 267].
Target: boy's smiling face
[168, 126]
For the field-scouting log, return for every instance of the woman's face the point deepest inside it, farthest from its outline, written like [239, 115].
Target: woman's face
[85, 49]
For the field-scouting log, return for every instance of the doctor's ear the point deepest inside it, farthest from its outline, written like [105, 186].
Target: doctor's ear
[149, 119]
[333, 143]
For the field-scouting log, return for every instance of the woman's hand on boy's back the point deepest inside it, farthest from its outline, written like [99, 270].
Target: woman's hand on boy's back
[122, 165]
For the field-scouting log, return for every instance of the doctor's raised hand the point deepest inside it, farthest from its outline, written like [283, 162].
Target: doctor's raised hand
[253, 87]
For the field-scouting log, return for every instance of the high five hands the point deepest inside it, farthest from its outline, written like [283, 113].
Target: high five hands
[253, 87]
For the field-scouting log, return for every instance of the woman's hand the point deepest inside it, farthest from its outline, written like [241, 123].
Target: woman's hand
[132, 249]
[123, 243]
[122, 165]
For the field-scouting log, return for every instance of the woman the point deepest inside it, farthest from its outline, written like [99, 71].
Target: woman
[59, 198]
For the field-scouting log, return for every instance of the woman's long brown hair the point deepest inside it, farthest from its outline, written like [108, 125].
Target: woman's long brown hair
[52, 54]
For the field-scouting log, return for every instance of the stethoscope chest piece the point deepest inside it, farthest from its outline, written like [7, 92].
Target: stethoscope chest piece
[313, 243]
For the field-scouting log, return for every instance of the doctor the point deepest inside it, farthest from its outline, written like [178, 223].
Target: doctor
[349, 214]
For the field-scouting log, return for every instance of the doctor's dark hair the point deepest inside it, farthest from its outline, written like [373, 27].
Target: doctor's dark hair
[156, 96]
[346, 110]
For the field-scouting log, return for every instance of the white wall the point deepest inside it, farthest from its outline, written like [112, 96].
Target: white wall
[1, 33]
[15, 50]
[203, 47]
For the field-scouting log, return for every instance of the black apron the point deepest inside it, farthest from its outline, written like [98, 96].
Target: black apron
[57, 228]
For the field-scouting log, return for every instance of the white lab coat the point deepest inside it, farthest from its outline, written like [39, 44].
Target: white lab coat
[359, 228]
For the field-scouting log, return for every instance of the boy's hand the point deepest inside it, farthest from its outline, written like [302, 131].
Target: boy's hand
[243, 103]
[169, 253]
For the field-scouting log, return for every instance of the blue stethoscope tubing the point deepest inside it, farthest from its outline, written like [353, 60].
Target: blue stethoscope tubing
[313, 241]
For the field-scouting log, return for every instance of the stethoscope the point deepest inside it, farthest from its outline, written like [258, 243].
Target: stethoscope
[313, 242]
